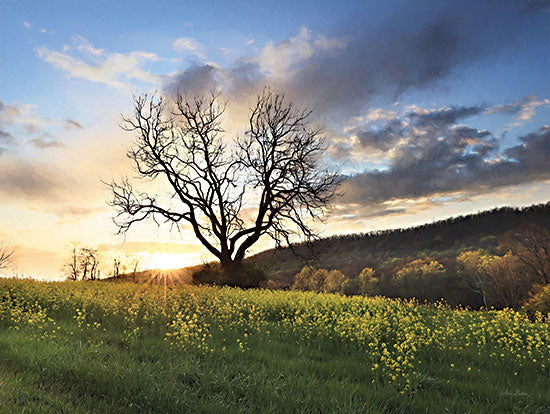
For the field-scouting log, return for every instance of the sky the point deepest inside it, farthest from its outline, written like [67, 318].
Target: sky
[431, 109]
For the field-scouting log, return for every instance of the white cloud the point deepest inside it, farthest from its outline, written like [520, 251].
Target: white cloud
[85, 47]
[279, 59]
[250, 41]
[188, 44]
[114, 69]
[27, 24]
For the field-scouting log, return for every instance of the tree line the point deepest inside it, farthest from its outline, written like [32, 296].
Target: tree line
[508, 277]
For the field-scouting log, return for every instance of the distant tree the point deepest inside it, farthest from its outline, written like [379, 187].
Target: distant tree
[532, 248]
[472, 269]
[134, 266]
[6, 256]
[83, 264]
[89, 263]
[119, 267]
[278, 162]
[417, 278]
[499, 280]
[310, 278]
[367, 281]
[72, 267]
[334, 282]
[352, 286]
[509, 286]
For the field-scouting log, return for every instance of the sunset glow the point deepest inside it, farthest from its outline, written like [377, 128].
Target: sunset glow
[165, 261]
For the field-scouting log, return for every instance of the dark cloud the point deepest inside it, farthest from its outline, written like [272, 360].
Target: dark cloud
[197, 80]
[382, 139]
[6, 140]
[4, 135]
[416, 48]
[443, 116]
[463, 160]
[386, 212]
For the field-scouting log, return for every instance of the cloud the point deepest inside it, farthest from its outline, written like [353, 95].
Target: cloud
[249, 42]
[5, 135]
[198, 79]
[19, 113]
[30, 181]
[41, 143]
[524, 109]
[341, 73]
[188, 44]
[84, 46]
[27, 24]
[18, 118]
[72, 124]
[279, 60]
[432, 154]
[112, 69]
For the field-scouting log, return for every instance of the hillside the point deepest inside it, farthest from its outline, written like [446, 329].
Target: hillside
[351, 253]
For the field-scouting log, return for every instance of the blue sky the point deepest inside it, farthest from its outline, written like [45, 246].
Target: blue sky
[432, 108]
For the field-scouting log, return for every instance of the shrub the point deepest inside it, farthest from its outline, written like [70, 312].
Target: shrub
[540, 301]
[244, 275]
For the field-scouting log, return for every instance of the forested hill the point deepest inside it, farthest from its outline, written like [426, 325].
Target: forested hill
[351, 253]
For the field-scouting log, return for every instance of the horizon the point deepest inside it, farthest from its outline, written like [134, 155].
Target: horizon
[430, 110]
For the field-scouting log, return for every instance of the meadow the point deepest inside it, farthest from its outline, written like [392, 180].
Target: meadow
[80, 347]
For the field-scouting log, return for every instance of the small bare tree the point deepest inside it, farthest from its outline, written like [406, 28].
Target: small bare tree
[89, 263]
[72, 267]
[6, 257]
[117, 268]
[83, 264]
[278, 163]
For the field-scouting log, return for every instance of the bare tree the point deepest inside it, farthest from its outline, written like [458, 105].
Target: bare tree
[117, 267]
[532, 248]
[89, 263]
[278, 162]
[83, 264]
[72, 267]
[6, 256]
[134, 265]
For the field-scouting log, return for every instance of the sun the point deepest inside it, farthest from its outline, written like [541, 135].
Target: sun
[166, 261]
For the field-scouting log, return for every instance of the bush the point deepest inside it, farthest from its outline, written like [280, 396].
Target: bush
[540, 301]
[244, 275]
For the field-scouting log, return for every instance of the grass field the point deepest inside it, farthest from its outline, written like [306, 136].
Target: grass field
[80, 347]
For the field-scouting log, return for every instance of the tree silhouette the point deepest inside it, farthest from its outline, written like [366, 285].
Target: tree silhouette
[231, 193]
[6, 256]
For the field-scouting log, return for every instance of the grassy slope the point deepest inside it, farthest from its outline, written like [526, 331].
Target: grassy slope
[301, 352]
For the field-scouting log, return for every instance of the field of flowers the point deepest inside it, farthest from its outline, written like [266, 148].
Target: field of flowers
[122, 347]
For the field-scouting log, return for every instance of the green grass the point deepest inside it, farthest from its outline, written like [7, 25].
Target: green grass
[147, 349]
